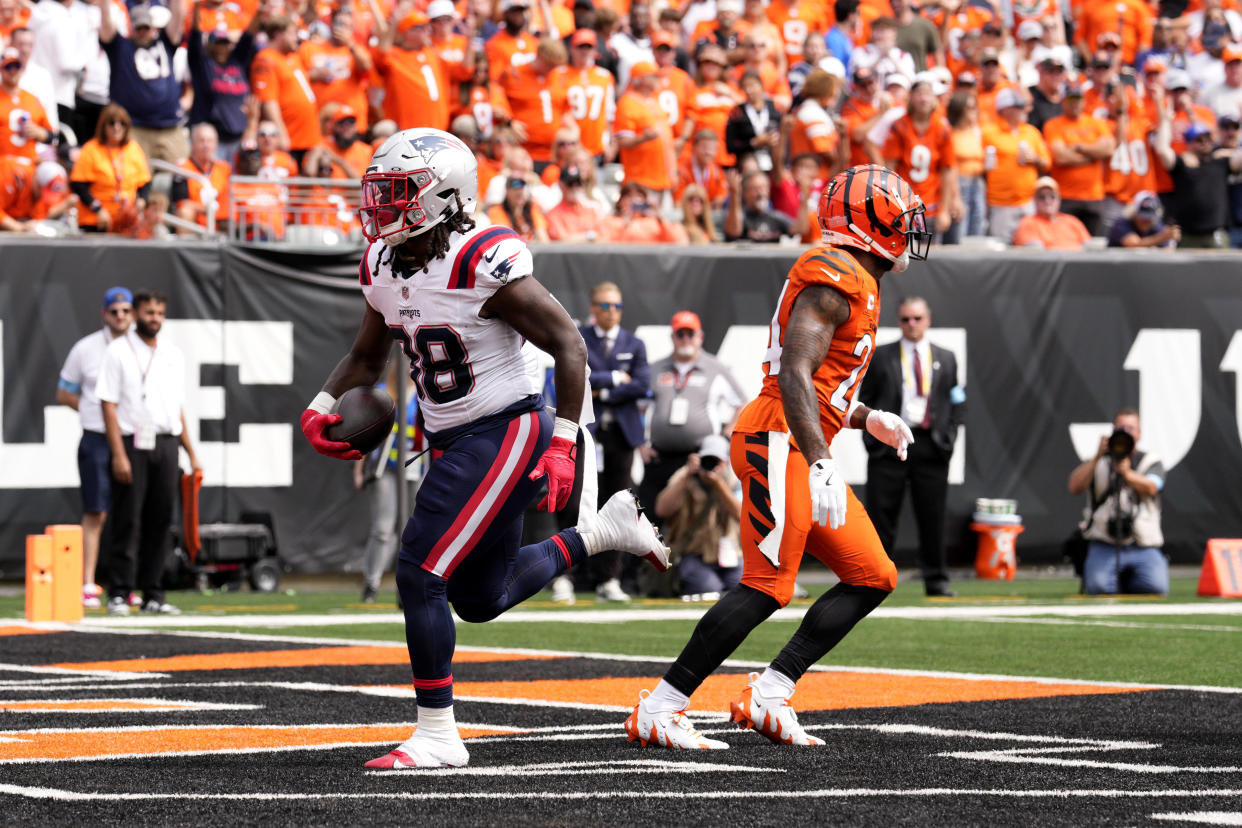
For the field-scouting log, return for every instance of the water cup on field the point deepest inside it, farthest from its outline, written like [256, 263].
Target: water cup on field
[998, 524]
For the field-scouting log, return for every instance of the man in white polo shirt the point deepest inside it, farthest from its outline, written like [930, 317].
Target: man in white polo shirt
[76, 389]
[141, 389]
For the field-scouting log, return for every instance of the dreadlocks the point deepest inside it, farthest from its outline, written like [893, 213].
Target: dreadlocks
[431, 245]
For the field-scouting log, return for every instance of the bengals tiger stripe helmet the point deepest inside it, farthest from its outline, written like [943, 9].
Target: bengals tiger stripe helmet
[872, 208]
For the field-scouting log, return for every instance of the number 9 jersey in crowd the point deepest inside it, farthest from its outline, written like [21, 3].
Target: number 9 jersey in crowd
[465, 367]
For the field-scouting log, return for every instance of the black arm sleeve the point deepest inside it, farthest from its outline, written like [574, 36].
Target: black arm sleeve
[82, 189]
[144, 192]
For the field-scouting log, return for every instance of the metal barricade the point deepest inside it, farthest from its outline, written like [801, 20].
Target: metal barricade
[295, 212]
[208, 195]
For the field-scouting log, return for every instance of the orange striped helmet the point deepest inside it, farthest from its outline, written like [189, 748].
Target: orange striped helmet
[872, 208]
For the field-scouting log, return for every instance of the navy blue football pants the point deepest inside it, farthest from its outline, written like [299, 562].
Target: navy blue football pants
[461, 545]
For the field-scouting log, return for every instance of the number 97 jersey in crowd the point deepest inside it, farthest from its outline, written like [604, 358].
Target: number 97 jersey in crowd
[464, 366]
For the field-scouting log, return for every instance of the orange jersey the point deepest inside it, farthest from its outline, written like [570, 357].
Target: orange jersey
[1093, 102]
[839, 375]
[814, 132]
[709, 109]
[489, 106]
[1086, 181]
[708, 31]
[647, 163]
[1132, 166]
[856, 112]
[218, 173]
[1010, 184]
[15, 111]
[226, 17]
[774, 84]
[281, 78]
[1037, 10]
[18, 187]
[416, 89]
[920, 156]
[346, 84]
[673, 95]
[986, 99]
[795, 20]
[965, 19]
[710, 178]
[278, 165]
[114, 175]
[591, 97]
[1131, 19]
[505, 52]
[538, 105]
[452, 52]
[258, 209]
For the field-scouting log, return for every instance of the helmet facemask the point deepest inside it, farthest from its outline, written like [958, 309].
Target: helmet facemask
[391, 208]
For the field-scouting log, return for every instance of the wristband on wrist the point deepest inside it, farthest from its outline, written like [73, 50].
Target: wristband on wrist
[323, 403]
[565, 429]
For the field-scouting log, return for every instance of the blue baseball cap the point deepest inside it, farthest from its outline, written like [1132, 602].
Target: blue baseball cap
[118, 294]
[1196, 130]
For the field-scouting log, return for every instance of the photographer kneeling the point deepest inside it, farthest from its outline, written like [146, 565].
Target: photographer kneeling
[701, 511]
[1122, 518]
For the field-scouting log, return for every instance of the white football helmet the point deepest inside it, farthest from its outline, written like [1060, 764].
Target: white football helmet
[414, 182]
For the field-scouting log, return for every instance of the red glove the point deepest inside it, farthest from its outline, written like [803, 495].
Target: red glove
[558, 464]
[313, 426]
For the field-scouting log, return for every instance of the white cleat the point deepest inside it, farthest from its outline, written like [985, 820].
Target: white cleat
[563, 590]
[419, 752]
[769, 717]
[621, 526]
[666, 729]
[610, 591]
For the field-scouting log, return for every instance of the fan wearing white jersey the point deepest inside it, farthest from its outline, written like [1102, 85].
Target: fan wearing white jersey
[461, 301]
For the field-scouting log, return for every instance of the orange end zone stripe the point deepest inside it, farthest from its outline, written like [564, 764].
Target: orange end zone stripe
[28, 746]
[15, 630]
[312, 657]
[816, 691]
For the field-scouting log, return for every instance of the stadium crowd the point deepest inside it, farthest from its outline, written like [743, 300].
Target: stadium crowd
[1046, 123]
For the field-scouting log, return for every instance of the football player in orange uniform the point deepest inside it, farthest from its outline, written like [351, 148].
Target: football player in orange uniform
[795, 499]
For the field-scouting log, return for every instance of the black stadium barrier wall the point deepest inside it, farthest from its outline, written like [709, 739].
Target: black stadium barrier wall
[1051, 345]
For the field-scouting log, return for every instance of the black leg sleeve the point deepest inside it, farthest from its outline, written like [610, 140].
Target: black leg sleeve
[827, 621]
[718, 633]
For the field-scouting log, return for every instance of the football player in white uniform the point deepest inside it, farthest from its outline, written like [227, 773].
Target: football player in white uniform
[461, 301]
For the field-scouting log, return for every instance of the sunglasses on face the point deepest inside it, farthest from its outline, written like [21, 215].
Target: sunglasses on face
[610, 305]
[263, 134]
[1045, 196]
[684, 333]
[907, 319]
[119, 311]
[11, 67]
[516, 183]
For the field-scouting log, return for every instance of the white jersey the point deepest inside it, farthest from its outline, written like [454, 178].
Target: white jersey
[464, 367]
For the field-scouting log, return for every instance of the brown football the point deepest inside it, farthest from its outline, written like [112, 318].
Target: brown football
[367, 415]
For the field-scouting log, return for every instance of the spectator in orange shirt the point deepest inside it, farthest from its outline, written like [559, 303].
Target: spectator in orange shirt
[796, 19]
[676, 87]
[920, 149]
[642, 132]
[963, 116]
[416, 85]
[636, 220]
[274, 163]
[725, 31]
[483, 100]
[281, 85]
[539, 109]
[520, 212]
[696, 216]
[192, 197]
[811, 127]
[590, 93]
[456, 50]
[19, 195]
[1131, 18]
[23, 122]
[860, 112]
[772, 50]
[576, 218]
[699, 168]
[775, 86]
[712, 99]
[991, 81]
[1048, 227]
[1080, 146]
[257, 208]
[513, 45]
[344, 148]
[1131, 169]
[565, 145]
[1015, 155]
[111, 178]
[338, 67]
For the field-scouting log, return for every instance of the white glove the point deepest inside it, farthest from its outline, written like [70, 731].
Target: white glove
[890, 429]
[827, 494]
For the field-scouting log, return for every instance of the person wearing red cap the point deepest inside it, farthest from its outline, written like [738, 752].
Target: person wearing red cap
[416, 84]
[693, 395]
[338, 67]
[643, 133]
[590, 93]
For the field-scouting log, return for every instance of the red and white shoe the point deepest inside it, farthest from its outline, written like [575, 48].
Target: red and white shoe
[91, 596]
[666, 729]
[420, 751]
[772, 718]
[620, 525]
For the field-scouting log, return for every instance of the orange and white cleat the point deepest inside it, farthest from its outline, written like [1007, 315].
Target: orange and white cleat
[772, 718]
[666, 729]
[425, 752]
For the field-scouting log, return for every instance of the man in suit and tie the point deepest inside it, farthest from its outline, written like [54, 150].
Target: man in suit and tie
[620, 377]
[918, 379]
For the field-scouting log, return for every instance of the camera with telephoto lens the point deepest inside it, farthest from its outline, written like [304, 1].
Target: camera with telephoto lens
[709, 463]
[1120, 445]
